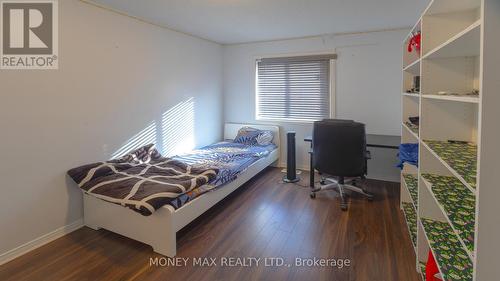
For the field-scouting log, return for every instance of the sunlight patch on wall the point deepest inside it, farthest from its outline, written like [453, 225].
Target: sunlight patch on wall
[146, 136]
[172, 134]
[178, 128]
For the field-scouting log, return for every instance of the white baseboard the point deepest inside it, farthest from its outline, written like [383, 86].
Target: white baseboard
[40, 241]
[371, 177]
[299, 167]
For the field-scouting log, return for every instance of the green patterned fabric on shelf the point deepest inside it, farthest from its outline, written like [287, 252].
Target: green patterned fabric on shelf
[462, 157]
[459, 204]
[422, 269]
[412, 185]
[411, 221]
[450, 256]
[412, 127]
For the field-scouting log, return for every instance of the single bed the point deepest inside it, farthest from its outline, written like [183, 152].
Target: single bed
[159, 229]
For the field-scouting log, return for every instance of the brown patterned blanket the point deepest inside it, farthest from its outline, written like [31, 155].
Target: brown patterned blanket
[142, 180]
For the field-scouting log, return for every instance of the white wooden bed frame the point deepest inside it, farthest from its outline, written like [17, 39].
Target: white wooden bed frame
[159, 229]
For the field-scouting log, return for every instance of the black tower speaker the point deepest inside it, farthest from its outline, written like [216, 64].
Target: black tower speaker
[291, 174]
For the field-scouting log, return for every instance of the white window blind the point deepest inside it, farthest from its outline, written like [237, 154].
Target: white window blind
[294, 88]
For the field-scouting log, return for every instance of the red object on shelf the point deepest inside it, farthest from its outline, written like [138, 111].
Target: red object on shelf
[431, 269]
[415, 43]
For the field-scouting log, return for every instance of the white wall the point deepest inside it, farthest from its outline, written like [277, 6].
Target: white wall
[368, 85]
[117, 77]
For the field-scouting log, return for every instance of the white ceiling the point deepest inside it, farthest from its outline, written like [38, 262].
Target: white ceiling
[240, 21]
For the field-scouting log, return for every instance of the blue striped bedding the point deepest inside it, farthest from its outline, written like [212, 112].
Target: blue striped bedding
[228, 157]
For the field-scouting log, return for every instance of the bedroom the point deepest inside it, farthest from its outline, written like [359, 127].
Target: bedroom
[107, 77]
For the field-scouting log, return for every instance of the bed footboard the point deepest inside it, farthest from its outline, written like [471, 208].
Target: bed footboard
[156, 230]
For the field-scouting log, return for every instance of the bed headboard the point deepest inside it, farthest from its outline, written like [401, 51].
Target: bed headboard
[231, 130]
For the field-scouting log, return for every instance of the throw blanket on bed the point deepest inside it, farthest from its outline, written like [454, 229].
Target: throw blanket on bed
[142, 185]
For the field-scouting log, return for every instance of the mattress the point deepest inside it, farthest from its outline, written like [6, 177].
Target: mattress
[228, 157]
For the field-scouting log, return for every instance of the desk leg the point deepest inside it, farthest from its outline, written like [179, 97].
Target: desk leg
[311, 171]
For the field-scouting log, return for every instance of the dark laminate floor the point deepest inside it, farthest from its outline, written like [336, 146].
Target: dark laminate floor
[265, 218]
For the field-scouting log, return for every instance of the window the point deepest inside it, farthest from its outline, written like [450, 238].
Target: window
[294, 88]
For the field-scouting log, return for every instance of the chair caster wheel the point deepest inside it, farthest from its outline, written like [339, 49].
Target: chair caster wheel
[369, 196]
[322, 182]
[312, 195]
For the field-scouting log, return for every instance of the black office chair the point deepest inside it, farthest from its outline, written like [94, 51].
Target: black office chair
[339, 152]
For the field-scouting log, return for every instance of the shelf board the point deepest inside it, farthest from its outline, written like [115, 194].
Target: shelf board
[463, 44]
[413, 68]
[411, 183]
[458, 205]
[453, 262]
[413, 95]
[411, 221]
[457, 98]
[411, 128]
[459, 158]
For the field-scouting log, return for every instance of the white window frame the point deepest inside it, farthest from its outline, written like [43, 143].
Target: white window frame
[332, 95]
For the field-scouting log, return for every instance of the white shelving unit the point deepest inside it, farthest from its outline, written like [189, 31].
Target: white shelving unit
[451, 200]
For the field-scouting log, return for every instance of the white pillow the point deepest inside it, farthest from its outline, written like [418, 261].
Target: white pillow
[265, 138]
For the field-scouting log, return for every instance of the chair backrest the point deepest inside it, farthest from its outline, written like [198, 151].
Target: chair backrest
[339, 148]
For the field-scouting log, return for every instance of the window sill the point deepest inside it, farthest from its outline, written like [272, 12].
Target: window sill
[298, 122]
